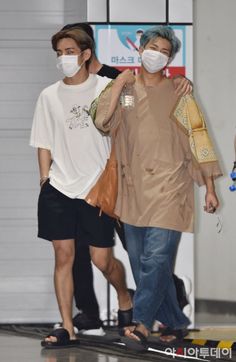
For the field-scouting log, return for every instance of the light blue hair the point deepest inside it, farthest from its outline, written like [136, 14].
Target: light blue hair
[165, 32]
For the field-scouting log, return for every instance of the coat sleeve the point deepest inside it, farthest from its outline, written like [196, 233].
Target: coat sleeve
[189, 117]
[99, 109]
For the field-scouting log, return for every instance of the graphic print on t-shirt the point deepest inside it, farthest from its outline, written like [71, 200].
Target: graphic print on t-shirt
[79, 118]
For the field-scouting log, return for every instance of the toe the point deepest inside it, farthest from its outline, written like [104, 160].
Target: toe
[133, 336]
[51, 339]
[169, 338]
[128, 330]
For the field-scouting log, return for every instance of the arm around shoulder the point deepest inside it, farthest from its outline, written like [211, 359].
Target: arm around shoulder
[107, 106]
[183, 85]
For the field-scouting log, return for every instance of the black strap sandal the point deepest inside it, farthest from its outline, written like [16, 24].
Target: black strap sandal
[179, 334]
[125, 318]
[138, 345]
[63, 340]
[123, 330]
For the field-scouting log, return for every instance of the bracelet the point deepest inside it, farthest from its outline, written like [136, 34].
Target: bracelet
[42, 180]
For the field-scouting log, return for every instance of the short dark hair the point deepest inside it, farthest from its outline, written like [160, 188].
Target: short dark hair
[82, 39]
[84, 26]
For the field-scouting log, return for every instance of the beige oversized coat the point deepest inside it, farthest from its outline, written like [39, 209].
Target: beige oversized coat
[157, 165]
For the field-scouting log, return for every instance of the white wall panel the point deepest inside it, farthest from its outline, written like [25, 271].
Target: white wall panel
[26, 252]
[37, 285]
[21, 92]
[32, 55]
[8, 182]
[27, 65]
[26, 6]
[17, 164]
[15, 199]
[138, 11]
[18, 213]
[9, 145]
[215, 86]
[75, 11]
[22, 34]
[96, 11]
[16, 108]
[38, 268]
[27, 75]
[180, 11]
[30, 19]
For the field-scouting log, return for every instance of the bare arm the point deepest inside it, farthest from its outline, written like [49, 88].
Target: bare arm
[44, 161]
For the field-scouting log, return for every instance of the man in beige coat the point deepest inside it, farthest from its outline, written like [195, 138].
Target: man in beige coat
[162, 147]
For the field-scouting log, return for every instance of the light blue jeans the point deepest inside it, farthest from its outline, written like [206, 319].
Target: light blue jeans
[152, 254]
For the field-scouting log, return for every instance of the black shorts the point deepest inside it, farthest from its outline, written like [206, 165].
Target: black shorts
[61, 218]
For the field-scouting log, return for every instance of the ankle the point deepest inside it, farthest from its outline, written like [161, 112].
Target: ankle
[70, 328]
[125, 301]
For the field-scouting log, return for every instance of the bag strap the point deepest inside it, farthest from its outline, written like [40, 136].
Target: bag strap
[113, 145]
[113, 152]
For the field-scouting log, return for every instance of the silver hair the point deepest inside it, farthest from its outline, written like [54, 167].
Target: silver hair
[165, 32]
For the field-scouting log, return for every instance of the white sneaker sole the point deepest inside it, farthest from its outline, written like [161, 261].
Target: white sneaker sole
[87, 332]
[90, 332]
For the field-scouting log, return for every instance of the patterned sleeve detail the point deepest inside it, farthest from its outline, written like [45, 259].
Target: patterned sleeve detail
[94, 104]
[188, 115]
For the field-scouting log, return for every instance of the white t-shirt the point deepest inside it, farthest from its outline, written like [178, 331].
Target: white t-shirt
[62, 125]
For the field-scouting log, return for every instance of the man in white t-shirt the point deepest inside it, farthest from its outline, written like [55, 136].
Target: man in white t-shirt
[71, 155]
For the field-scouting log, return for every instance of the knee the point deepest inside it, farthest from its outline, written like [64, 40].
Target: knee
[103, 264]
[64, 257]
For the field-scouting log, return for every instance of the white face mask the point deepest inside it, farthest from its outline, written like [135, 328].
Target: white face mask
[68, 64]
[153, 61]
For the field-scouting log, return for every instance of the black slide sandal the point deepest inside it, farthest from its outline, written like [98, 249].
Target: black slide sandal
[63, 340]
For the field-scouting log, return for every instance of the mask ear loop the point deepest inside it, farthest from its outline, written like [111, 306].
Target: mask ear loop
[84, 60]
[165, 71]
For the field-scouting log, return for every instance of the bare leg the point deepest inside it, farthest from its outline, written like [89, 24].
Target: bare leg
[114, 272]
[63, 281]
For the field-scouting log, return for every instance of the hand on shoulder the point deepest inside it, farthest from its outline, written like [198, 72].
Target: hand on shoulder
[126, 77]
[183, 85]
